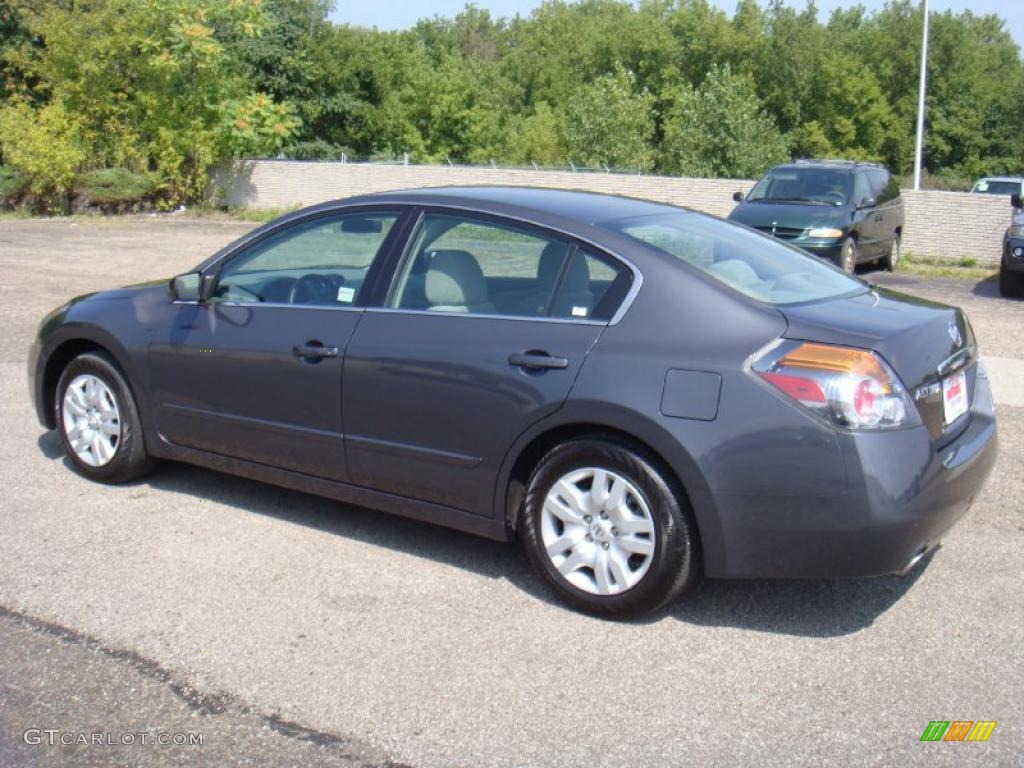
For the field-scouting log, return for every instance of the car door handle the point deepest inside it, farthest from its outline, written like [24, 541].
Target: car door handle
[314, 350]
[536, 360]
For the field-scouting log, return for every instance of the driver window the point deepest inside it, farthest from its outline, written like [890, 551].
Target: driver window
[861, 189]
[320, 263]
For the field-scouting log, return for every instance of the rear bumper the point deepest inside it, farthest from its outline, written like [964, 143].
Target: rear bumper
[902, 497]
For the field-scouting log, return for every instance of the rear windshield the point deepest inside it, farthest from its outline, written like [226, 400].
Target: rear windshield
[998, 187]
[755, 265]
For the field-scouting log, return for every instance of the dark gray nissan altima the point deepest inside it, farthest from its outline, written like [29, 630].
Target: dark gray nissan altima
[640, 393]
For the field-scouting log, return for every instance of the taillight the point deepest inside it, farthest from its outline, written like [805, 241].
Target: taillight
[846, 386]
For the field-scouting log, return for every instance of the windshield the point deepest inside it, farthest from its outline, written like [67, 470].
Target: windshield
[998, 187]
[753, 264]
[804, 185]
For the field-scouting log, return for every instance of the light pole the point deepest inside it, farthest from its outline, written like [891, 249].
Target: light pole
[919, 148]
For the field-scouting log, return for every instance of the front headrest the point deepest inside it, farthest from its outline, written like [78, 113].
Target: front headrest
[576, 279]
[454, 278]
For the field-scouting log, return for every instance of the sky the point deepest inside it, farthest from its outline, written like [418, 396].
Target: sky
[392, 15]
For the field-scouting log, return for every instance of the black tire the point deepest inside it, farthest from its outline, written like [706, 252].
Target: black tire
[892, 259]
[674, 563]
[1011, 284]
[848, 256]
[130, 460]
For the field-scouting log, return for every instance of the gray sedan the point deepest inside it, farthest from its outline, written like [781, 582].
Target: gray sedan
[639, 393]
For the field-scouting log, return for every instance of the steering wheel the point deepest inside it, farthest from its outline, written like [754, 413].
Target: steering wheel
[313, 288]
[834, 197]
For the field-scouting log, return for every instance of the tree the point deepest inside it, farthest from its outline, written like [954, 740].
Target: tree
[536, 138]
[720, 129]
[147, 84]
[610, 123]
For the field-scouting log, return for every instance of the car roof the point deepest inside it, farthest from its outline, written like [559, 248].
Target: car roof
[836, 165]
[1018, 179]
[531, 202]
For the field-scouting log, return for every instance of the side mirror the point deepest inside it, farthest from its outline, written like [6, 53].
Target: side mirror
[184, 287]
[1015, 201]
[737, 196]
[868, 202]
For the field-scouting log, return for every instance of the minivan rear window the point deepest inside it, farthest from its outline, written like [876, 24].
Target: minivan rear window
[755, 265]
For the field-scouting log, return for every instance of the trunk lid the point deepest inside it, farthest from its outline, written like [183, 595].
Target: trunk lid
[922, 341]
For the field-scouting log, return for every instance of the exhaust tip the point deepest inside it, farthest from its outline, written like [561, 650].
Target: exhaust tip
[917, 558]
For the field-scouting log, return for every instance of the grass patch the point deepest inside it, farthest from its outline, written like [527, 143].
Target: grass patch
[253, 214]
[241, 214]
[964, 268]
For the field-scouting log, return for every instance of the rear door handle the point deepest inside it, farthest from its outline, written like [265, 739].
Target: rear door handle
[537, 360]
[314, 350]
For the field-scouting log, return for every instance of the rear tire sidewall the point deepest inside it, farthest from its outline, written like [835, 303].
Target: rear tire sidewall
[674, 561]
[130, 459]
[892, 260]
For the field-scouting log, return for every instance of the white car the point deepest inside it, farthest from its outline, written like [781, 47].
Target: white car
[999, 185]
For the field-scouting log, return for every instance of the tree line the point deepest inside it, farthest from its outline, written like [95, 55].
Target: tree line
[117, 100]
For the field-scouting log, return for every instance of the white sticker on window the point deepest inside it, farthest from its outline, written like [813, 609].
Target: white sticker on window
[579, 311]
[346, 294]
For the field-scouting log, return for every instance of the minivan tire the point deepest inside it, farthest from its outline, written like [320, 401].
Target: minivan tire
[674, 562]
[129, 459]
[892, 259]
[848, 256]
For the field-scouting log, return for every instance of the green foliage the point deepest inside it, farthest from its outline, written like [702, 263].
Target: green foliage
[114, 187]
[168, 88]
[148, 83]
[258, 126]
[611, 122]
[318, 149]
[44, 144]
[13, 185]
[535, 138]
[720, 129]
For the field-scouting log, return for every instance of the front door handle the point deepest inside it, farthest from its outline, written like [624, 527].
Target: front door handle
[537, 360]
[314, 350]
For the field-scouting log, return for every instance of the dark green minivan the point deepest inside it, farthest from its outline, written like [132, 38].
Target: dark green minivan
[844, 211]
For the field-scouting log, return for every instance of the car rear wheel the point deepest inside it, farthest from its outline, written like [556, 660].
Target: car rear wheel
[604, 527]
[848, 256]
[99, 421]
[892, 259]
[1011, 284]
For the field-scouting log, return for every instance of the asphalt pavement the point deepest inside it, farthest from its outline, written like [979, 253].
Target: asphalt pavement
[291, 630]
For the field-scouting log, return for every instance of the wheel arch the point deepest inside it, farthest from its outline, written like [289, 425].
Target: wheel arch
[58, 359]
[638, 433]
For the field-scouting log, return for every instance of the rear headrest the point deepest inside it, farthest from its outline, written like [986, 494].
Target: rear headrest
[454, 278]
[578, 277]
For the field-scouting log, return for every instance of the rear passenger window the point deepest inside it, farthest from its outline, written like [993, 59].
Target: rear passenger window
[592, 287]
[472, 266]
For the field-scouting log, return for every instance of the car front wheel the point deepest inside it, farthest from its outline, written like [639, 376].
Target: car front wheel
[605, 528]
[99, 422]
[848, 256]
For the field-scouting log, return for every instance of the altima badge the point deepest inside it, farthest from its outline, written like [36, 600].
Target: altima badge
[954, 333]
